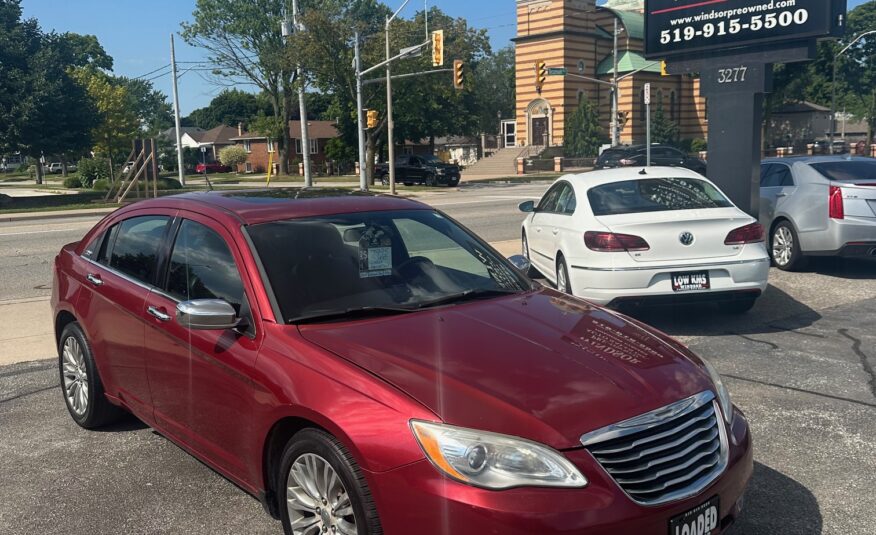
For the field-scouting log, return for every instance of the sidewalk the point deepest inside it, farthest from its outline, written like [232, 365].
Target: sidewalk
[55, 214]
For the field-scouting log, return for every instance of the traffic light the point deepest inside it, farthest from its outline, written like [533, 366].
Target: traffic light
[373, 118]
[438, 48]
[458, 73]
[540, 75]
[663, 71]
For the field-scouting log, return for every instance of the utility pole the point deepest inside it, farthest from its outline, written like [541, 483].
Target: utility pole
[390, 124]
[648, 125]
[615, 126]
[363, 172]
[179, 152]
[302, 105]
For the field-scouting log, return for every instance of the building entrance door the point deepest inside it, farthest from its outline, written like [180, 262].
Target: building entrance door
[509, 134]
[539, 131]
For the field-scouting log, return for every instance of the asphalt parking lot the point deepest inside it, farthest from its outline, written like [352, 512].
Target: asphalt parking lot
[800, 365]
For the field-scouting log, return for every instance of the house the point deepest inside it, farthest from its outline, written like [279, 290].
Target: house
[212, 140]
[798, 123]
[260, 149]
[170, 134]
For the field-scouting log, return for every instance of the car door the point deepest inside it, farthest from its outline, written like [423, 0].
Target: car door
[119, 276]
[543, 243]
[200, 379]
[416, 171]
[776, 186]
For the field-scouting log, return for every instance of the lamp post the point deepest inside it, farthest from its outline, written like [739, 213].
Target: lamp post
[833, 84]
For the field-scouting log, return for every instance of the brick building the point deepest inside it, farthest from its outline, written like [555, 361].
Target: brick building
[260, 149]
[577, 35]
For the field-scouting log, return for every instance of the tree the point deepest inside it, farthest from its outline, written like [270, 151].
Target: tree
[663, 130]
[230, 107]
[244, 42]
[583, 134]
[19, 41]
[495, 89]
[148, 104]
[858, 69]
[232, 156]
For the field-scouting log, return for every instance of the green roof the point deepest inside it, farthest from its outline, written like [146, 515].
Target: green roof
[634, 22]
[627, 61]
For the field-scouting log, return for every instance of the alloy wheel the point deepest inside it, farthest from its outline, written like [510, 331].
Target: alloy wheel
[783, 246]
[317, 500]
[75, 376]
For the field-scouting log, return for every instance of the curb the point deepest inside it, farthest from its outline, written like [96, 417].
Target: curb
[60, 214]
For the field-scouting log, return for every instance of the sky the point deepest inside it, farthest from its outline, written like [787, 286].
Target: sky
[137, 34]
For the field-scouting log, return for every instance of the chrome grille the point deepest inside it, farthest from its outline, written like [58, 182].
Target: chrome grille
[668, 454]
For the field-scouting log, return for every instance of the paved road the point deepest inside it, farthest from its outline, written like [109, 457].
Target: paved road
[800, 365]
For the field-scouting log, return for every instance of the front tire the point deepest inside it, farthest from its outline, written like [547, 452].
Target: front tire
[80, 383]
[322, 490]
[563, 283]
[785, 247]
[384, 180]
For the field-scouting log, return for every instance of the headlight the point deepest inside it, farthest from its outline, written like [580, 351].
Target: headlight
[723, 394]
[439, 171]
[494, 461]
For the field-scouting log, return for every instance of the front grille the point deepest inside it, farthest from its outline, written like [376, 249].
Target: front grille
[665, 455]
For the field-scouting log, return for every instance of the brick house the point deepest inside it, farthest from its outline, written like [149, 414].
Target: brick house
[259, 149]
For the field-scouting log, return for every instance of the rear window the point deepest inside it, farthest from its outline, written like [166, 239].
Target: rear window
[848, 171]
[655, 195]
[611, 155]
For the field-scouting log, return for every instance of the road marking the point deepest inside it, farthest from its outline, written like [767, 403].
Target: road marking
[482, 201]
[41, 231]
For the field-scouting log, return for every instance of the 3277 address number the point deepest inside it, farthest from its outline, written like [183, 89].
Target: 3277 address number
[732, 75]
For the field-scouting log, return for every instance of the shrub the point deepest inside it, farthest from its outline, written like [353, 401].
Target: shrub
[93, 169]
[168, 184]
[100, 185]
[699, 145]
[72, 182]
[233, 156]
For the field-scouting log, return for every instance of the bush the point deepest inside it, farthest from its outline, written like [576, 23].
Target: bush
[93, 169]
[233, 156]
[168, 184]
[699, 145]
[72, 182]
[100, 185]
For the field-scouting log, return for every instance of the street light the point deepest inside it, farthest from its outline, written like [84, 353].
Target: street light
[833, 84]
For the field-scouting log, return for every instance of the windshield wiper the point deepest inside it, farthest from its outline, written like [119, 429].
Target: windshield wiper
[476, 293]
[352, 313]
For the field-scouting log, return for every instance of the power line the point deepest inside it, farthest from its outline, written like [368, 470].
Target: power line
[152, 72]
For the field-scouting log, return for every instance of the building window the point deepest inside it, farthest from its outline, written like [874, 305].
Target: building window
[270, 145]
[314, 146]
[298, 146]
[247, 146]
[248, 167]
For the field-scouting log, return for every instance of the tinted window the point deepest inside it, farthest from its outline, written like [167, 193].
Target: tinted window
[764, 172]
[654, 195]
[665, 152]
[202, 267]
[566, 201]
[548, 203]
[135, 251]
[778, 175]
[404, 260]
[93, 249]
[848, 171]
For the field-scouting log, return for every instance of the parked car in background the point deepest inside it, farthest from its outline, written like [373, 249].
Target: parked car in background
[646, 236]
[636, 156]
[55, 168]
[364, 365]
[818, 206]
[426, 170]
[212, 167]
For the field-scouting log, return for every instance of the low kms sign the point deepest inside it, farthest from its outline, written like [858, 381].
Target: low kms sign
[677, 27]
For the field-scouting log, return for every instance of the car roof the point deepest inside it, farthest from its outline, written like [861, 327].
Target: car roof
[254, 206]
[816, 159]
[607, 176]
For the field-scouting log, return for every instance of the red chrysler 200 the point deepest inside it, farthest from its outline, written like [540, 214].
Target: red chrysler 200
[364, 364]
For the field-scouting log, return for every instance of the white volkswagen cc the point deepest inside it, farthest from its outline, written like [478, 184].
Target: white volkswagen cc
[646, 236]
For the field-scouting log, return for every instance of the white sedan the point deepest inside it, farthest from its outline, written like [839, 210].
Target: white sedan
[653, 235]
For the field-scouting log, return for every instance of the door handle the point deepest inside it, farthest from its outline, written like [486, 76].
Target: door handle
[538, 229]
[555, 231]
[781, 194]
[94, 279]
[158, 314]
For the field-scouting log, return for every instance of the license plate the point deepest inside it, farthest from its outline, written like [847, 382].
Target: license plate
[688, 282]
[702, 520]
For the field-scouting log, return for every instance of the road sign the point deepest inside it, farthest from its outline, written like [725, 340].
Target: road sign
[678, 27]
[557, 71]
[648, 93]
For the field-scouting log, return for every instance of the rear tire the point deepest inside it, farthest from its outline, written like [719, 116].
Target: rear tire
[343, 501]
[785, 247]
[384, 180]
[563, 283]
[80, 383]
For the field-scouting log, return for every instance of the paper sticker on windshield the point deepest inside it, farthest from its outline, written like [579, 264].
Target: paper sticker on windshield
[375, 254]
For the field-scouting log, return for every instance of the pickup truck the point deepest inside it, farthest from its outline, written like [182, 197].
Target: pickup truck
[428, 170]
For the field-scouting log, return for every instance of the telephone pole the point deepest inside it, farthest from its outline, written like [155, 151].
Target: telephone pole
[615, 124]
[179, 153]
[360, 125]
[302, 105]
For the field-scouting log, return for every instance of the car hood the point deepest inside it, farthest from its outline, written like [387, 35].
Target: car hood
[541, 365]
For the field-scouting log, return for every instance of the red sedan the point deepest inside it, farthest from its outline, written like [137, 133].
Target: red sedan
[213, 167]
[363, 364]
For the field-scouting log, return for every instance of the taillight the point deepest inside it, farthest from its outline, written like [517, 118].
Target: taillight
[837, 210]
[752, 233]
[610, 242]
[627, 162]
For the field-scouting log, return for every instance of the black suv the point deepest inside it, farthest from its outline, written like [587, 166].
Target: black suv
[428, 170]
[634, 156]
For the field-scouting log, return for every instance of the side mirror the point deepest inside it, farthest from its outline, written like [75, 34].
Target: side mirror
[521, 263]
[207, 315]
[527, 207]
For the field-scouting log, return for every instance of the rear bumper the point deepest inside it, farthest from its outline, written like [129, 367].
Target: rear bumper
[850, 250]
[844, 237]
[729, 281]
[417, 499]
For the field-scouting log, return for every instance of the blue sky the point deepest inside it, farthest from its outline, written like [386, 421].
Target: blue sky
[137, 34]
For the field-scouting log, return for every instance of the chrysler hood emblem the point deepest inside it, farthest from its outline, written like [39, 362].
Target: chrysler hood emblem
[686, 238]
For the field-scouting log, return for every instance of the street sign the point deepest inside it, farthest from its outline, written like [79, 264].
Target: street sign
[557, 71]
[648, 93]
[679, 27]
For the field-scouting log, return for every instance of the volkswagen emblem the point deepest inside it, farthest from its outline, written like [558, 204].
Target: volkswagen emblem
[686, 238]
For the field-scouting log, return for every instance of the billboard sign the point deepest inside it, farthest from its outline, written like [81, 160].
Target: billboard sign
[677, 27]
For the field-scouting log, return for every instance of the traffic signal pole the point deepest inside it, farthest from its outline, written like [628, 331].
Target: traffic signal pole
[302, 106]
[363, 172]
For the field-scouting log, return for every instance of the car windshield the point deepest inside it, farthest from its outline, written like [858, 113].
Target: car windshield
[654, 195]
[384, 262]
[847, 171]
[431, 159]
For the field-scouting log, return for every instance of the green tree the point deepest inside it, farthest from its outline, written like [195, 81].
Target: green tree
[583, 134]
[663, 130]
[148, 104]
[495, 89]
[232, 156]
[858, 69]
[19, 41]
[230, 107]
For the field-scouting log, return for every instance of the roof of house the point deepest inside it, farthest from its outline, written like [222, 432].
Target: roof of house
[221, 135]
[316, 130]
[628, 61]
[800, 107]
[171, 132]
